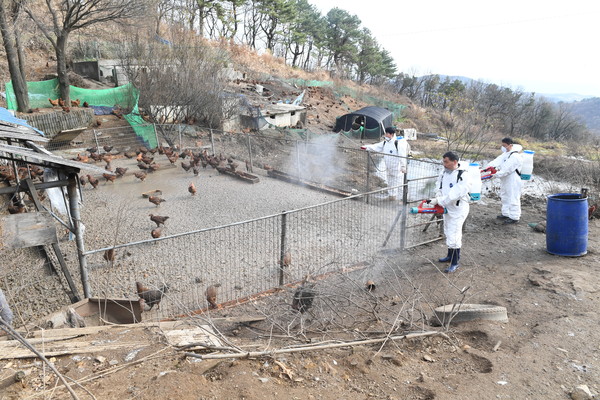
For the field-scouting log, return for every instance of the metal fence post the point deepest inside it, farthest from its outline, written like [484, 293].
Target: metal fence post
[403, 222]
[283, 247]
[212, 141]
[298, 159]
[179, 133]
[368, 183]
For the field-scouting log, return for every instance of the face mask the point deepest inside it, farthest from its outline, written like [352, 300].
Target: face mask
[503, 149]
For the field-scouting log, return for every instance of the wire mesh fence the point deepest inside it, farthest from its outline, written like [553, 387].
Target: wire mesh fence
[258, 255]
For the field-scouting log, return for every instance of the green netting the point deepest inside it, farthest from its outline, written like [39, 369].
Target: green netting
[356, 133]
[308, 83]
[39, 93]
[125, 96]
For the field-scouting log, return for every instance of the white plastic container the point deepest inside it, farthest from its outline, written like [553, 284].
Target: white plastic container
[475, 180]
[527, 168]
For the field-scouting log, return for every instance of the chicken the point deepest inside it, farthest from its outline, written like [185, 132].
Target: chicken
[82, 180]
[140, 175]
[592, 210]
[75, 103]
[107, 148]
[370, 286]
[211, 295]
[186, 166]
[150, 297]
[120, 171]
[287, 259]
[109, 177]
[61, 102]
[17, 208]
[155, 200]
[96, 157]
[196, 170]
[98, 123]
[83, 159]
[92, 149]
[156, 233]
[192, 188]
[158, 220]
[86, 104]
[93, 181]
[130, 154]
[153, 167]
[109, 255]
[53, 102]
[304, 296]
[66, 109]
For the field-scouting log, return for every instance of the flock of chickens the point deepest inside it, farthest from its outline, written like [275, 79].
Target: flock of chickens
[63, 104]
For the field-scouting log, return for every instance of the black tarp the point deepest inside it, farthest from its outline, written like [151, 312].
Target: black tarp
[376, 119]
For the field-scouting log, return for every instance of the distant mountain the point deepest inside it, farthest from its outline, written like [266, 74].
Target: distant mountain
[588, 112]
[564, 97]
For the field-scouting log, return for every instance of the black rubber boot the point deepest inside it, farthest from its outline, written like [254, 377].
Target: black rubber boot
[454, 261]
[447, 258]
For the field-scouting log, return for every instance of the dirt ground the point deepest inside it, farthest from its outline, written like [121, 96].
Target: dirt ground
[548, 348]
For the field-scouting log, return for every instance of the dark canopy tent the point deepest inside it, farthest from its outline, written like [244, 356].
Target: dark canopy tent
[375, 119]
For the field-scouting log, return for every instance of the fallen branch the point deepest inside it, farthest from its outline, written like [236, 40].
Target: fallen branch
[9, 330]
[253, 354]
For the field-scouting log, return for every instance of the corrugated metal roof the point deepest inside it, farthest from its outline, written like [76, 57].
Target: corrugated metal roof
[7, 119]
[35, 157]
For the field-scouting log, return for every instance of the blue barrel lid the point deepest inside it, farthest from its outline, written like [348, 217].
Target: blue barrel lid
[474, 164]
[529, 151]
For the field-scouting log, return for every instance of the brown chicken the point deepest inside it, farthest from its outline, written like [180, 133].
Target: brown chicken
[18, 208]
[156, 233]
[83, 159]
[192, 189]
[53, 102]
[211, 295]
[86, 104]
[130, 154]
[109, 255]
[93, 181]
[150, 297]
[140, 175]
[287, 259]
[82, 180]
[75, 103]
[370, 286]
[120, 171]
[109, 177]
[61, 102]
[66, 109]
[186, 166]
[158, 220]
[304, 296]
[107, 148]
[155, 200]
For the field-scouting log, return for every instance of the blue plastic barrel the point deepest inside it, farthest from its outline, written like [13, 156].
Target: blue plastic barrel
[567, 224]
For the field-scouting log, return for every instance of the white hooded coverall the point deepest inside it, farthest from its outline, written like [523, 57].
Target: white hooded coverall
[453, 194]
[391, 168]
[510, 181]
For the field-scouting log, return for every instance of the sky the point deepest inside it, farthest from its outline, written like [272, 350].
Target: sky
[537, 46]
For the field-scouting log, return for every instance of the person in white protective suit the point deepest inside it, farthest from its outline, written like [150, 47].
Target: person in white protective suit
[5, 311]
[508, 166]
[391, 169]
[453, 193]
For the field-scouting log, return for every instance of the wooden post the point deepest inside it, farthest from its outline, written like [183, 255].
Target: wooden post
[156, 135]
[250, 152]
[96, 140]
[283, 246]
[76, 216]
[212, 142]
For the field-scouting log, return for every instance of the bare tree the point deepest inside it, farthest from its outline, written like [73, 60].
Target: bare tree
[179, 83]
[66, 16]
[16, 63]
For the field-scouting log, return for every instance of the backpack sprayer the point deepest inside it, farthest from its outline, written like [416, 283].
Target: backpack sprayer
[425, 208]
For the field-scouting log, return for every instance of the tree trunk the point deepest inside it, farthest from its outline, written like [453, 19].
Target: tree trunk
[12, 56]
[61, 67]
